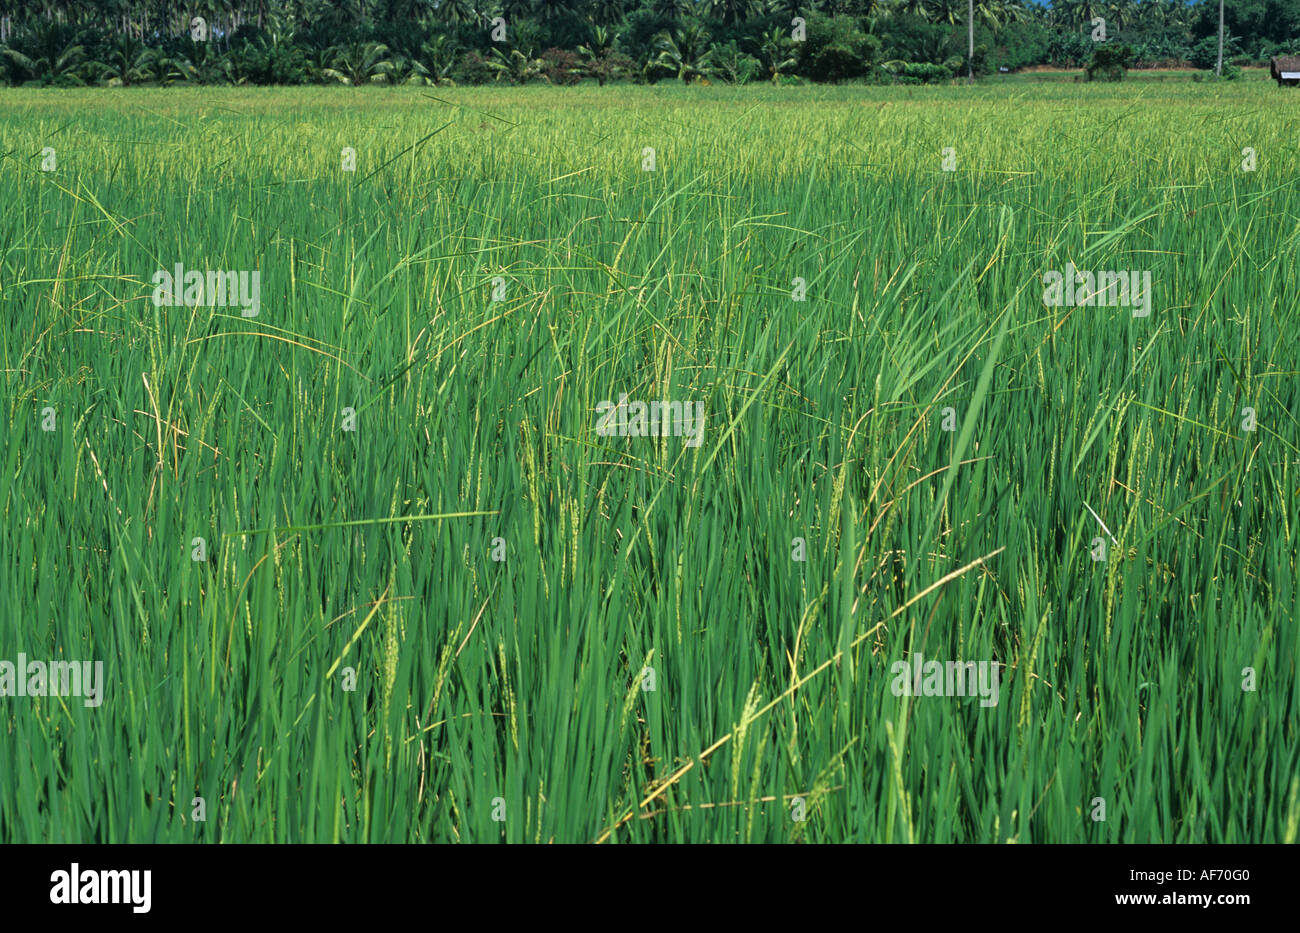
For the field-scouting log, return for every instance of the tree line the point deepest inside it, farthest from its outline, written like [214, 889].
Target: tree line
[441, 42]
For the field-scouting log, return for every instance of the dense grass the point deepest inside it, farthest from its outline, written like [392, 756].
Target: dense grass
[522, 679]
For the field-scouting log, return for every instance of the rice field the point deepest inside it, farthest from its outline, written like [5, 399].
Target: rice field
[369, 564]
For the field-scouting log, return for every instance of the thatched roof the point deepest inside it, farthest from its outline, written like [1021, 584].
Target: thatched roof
[1284, 63]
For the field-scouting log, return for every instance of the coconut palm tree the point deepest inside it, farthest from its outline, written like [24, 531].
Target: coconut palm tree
[1177, 14]
[776, 53]
[599, 54]
[606, 12]
[551, 10]
[51, 56]
[731, 11]
[919, 8]
[457, 12]
[129, 62]
[1080, 12]
[788, 9]
[516, 11]
[1016, 11]
[671, 9]
[685, 52]
[948, 12]
[359, 63]
[992, 13]
[438, 57]
[518, 67]
[199, 62]
[1119, 14]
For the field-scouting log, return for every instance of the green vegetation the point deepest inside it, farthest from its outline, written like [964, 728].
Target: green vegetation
[371, 551]
[120, 43]
[1110, 63]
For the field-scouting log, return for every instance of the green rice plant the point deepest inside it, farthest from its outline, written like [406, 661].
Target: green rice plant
[434, 604]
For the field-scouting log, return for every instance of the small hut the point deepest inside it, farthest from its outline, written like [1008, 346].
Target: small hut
[1285, 69]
